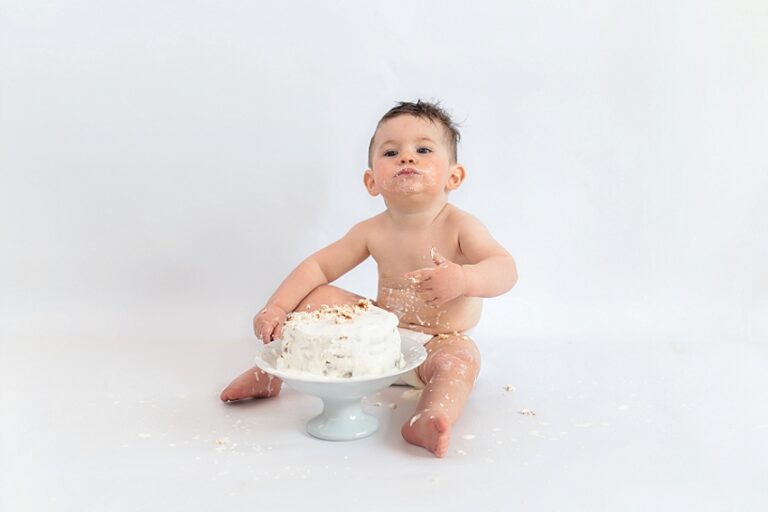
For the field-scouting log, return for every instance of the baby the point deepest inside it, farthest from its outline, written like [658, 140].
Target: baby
[435, 262]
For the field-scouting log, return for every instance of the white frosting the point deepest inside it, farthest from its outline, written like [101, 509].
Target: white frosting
[347, 341]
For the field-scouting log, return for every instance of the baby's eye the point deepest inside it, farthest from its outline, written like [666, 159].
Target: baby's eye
[390, 152]
[424, 150]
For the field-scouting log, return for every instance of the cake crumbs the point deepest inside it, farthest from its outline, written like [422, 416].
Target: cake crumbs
[526, 412]
[339, 314]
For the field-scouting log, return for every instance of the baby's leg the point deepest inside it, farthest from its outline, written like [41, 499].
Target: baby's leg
[449, 372]
[254, 383]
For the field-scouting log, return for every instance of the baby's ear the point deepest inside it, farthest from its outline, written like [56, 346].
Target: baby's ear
[456, 178]
[370, 183]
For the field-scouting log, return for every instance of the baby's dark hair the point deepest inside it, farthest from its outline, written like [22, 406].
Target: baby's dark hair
[424, 110]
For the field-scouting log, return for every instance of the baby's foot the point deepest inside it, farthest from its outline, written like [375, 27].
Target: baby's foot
[253, 383]
[432, 431]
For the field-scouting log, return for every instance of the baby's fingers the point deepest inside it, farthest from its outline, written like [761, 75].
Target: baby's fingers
[437, 258]
[419, 276]
[258, 321]
[425, 294]
[423, 286]
[413, 278]
[428, 297]
[265, 333]
[278, 333]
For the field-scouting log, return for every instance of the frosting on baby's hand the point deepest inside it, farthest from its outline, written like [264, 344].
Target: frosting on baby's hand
[268, 324]
[436, 286]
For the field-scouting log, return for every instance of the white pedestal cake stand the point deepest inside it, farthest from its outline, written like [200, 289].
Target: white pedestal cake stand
[342, 418]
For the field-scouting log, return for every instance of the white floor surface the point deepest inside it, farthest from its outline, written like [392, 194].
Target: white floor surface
[136, 425]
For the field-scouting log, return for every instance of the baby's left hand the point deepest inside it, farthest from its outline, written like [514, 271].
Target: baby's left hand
[436, 286]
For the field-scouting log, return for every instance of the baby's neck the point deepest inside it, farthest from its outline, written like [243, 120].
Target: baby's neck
[416, 217]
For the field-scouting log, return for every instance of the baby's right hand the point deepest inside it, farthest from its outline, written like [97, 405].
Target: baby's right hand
[268, 324]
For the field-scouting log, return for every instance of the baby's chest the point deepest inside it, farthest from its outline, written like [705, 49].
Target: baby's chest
[396, 252]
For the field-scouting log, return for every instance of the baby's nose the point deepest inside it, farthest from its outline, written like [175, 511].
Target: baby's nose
[406, 158]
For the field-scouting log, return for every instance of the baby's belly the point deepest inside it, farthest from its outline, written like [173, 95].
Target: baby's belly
[457, 315]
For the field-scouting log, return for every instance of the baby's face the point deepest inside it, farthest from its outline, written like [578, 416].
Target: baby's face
[410, 155]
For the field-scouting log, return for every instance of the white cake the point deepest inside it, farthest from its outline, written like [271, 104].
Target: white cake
[359, 340]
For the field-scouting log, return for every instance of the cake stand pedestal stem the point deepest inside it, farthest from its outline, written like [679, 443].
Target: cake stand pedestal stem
[342, 420]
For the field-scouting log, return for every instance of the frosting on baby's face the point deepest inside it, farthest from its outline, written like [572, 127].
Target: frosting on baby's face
[411, 155]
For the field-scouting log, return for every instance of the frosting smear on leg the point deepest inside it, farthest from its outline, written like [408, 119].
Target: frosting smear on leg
[450, 370]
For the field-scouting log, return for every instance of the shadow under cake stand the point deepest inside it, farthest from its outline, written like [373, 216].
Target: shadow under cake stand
[342, 418]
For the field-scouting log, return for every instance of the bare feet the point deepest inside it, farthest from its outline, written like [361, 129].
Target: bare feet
[253, 383]
[431, 431]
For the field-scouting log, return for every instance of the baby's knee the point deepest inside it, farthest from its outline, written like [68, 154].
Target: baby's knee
[327, 295]
[462, 362]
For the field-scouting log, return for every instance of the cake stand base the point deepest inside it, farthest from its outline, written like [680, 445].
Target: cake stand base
[342, 420]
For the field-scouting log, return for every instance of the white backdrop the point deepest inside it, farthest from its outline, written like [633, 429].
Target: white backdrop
[163, 165]
[179, 158]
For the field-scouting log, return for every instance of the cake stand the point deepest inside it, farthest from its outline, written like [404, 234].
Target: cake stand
[342, 418]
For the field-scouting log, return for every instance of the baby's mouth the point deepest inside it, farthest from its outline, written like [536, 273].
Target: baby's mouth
[407, 171]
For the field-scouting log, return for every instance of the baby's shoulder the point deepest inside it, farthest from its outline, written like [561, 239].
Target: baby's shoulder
[460, 219]
[369, 225]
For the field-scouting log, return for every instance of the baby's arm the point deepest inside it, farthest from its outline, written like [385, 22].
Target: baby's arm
[494, 271]
[322, 267]
[491, 270]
